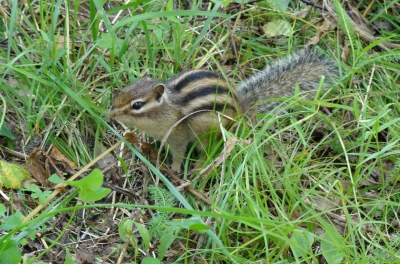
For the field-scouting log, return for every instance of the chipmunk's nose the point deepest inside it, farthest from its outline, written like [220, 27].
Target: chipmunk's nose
[112, 111]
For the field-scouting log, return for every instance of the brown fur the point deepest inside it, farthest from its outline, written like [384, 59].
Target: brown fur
[163, 104]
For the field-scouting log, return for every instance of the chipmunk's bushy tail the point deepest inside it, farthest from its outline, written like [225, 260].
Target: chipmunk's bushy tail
[304, 67]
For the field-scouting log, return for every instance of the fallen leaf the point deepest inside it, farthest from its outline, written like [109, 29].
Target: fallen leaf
[59, 158]
[328, 24]
[131, 137]
[303, 13]
[35, 165]
[149, 152]
[12, 175]
[277, 28]
[345, 51]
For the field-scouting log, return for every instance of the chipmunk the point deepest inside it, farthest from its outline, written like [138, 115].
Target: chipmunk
[154, 106]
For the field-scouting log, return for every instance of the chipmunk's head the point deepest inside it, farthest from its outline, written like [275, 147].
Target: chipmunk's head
[140, 100]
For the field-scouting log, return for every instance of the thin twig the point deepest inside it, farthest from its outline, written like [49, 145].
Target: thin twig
[368, 8]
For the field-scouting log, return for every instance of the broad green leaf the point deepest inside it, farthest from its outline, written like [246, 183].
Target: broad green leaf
[301, 242]
[125, 229]
[166, 240]
[11, 253]
[12, 175]
[12, 221]
[68, 257]
[277, 5]
[150, 260]
[3, 209]
[277, 28]
[92, 181]
[330, 247]
[123, 164]
[55, 179]
[194, 224]
[106, 41]
[199, 228]
[88, 196]
[144, 233]
[90, 187]
[6, 132]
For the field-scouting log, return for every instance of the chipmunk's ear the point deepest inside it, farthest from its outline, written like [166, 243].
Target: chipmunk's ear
[144, 74]
[159, 91]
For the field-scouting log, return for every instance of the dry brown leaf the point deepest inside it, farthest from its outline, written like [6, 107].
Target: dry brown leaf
[329, 24]
[325, 203]
[21, 90]
[357, 17]
[131, 138]
[13, 83]
[35, 165]
[40, 165]
[84, 254]
[295, 215]
[303, 13]
[61, 186]
[345, 51]
[58, 157]
[149, 152]
[60, 42]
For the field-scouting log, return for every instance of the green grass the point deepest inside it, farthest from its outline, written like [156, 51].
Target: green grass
[312, 181]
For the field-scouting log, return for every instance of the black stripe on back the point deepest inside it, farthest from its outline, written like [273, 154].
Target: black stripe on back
[204, 91]
[191, 77]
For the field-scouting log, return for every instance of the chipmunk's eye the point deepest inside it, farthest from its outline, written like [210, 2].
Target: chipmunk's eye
[137, 105]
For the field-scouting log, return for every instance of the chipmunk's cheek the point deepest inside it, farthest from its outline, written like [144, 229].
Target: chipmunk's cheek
[123, 118]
